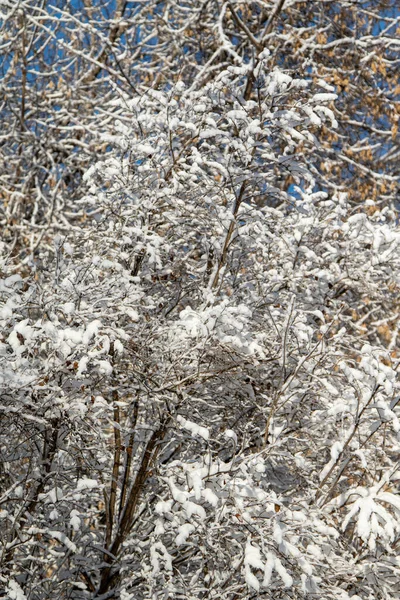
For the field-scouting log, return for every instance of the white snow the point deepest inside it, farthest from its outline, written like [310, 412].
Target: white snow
[336, 449]
[184, 532]
[194, 429]
[15, 591]
[86, 484]
[61, 537]
[75, 521]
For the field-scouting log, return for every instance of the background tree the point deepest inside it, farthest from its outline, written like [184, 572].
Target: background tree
[199, 326]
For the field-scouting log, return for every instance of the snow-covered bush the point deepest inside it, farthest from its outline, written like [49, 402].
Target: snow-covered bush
[199, 384]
